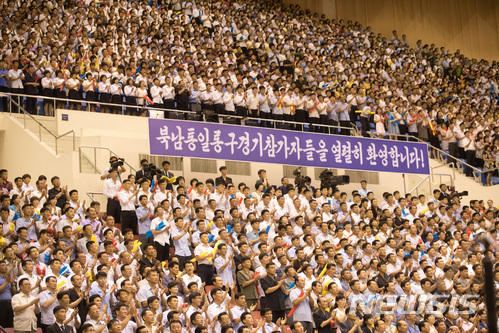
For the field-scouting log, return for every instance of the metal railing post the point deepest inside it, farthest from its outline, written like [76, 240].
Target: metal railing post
[79, 160]
[95, 156]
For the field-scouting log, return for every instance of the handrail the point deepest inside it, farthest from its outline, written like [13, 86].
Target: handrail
[84, 156]
[149, 108]
[85, 102]
[454, 159]
[40, 126]
[354, 127]
[103, 148]
[91, 195]
[419, 184]
[430, 180]
[457, 160]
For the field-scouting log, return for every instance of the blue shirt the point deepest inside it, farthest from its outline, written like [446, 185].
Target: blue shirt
[96, 225]
[47, 313]
[182, 244]
[22, 222]
[3, 80]
[6, 294]
[194, 97]
[144, 226]
[105, 300]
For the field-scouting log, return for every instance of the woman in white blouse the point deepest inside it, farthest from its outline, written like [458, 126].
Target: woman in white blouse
[322, 110]
[313, 112]
[130, 97]
[73, 85]
[48, 91]
[89, 89]
[141, 91]
[104, 97]
[116, 95]
[228, 99]
[59, 90]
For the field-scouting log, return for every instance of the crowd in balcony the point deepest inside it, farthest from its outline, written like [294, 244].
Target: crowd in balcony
[248, 59]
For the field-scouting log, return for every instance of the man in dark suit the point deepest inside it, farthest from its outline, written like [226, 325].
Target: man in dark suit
[59, 326]
[140, 174]
[223, 178]
[167, 173]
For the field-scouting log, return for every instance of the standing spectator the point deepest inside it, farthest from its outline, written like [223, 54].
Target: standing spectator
[4, 87]
[25, 308]
[247, 281]
[128, 199]
[144, 214]
[379, 121]
[469, 148]
[303, 302]
[160, 229]
[60, 193]
[48, 302]
[223, 177]
[204, 255]
[15, 79]
[5, 185]
[323, 317]
[7, 288]
[216, 308]
[393, 118]
[111, 190]
[224, 264]
[181, 235]
[274, 296]
[31, 88]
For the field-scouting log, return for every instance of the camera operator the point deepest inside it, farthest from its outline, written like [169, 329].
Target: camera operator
[147, 171]
[114, 163]
[443, 192]
[142, 173]
[299, 181]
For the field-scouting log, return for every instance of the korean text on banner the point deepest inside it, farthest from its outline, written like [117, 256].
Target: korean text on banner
[229, 142]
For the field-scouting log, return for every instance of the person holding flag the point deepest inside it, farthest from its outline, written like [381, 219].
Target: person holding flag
[301, 305]
[203, 252]
[313, 113]
[160, 230]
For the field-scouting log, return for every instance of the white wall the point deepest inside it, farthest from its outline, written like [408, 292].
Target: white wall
[21, 152]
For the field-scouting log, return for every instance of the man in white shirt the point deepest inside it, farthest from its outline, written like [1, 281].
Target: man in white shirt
[216, 307]
[128, 199]
[224, 264]
[157, 94]
[15, 79]
[204, 255]
[221, 197]
[110, 190]
[25, 307]
[190, 276]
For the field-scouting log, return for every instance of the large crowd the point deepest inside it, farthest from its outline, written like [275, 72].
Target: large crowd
[221, 256]
[217, 255]
[256, 59]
